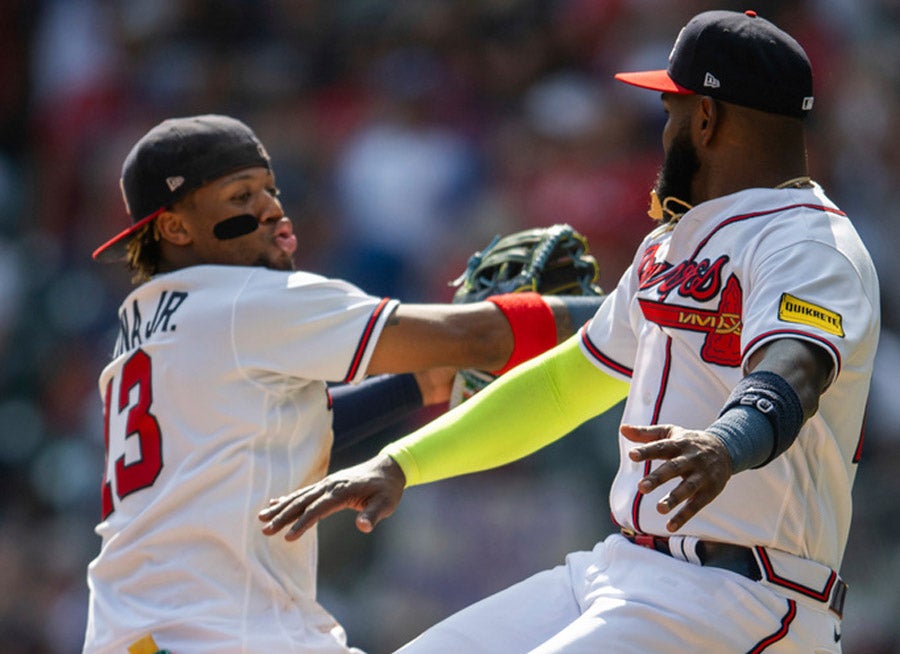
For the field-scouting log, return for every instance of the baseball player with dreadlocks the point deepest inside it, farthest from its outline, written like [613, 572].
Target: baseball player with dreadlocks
[216, 396]
[742, 336]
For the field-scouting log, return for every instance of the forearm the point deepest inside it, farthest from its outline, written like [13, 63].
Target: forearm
[765, 411]
[523, 411]
[491, 335]
[806, 367]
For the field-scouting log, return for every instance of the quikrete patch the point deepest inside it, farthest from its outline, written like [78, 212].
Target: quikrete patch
[793, 309]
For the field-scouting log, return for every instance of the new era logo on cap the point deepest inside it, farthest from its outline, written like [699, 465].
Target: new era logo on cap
[757, 64]
[711, 82]
[200, 148]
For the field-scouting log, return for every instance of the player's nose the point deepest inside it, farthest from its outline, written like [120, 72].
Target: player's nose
[272, 212]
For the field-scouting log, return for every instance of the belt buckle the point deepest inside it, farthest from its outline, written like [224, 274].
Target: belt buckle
[645, 540]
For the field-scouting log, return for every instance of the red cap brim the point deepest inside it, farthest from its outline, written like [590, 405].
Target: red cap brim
[114, 249]
[656, 80]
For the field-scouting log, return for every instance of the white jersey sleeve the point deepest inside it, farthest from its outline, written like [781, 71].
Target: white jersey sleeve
[809, 290]
[330, 335]
[608, 339]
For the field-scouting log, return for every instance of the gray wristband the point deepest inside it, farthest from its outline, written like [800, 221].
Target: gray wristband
[760, 394]
[747, 435]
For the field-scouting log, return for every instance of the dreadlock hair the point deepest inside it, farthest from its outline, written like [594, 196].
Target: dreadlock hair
[142, 253]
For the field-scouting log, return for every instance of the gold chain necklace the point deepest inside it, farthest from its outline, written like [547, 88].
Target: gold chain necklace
[797, 182]
[660, 209]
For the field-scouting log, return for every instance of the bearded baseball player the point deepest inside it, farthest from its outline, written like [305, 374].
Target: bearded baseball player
[216, 398]
[742, 336]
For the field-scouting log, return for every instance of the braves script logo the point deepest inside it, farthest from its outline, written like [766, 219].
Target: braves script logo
[700, 281]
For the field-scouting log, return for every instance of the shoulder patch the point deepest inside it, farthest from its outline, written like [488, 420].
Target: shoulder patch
[793, 309]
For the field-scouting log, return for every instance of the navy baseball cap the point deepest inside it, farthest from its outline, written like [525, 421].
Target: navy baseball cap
[175, 157]
[736, 57]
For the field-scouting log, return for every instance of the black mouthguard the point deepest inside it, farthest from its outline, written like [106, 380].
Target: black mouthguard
[235, 226]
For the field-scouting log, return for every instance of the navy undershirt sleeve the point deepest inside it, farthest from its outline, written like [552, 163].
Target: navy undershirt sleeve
[365, 409]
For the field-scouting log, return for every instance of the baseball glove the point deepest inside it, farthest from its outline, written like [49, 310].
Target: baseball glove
[548, 260]
[551, 260]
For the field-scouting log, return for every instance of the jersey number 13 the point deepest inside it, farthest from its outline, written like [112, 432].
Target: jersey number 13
[139, 424]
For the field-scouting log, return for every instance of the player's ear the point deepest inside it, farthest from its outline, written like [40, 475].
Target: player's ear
[706, 119]
[172, 228]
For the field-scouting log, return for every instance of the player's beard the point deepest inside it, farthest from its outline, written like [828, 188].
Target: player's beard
[678, 170]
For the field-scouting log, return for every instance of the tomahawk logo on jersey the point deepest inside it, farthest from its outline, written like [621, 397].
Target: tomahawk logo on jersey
[702, 282]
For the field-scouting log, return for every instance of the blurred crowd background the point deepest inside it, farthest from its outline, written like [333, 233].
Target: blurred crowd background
[405, 134]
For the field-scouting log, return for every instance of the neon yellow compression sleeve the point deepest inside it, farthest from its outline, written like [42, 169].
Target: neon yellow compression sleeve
[526, 409]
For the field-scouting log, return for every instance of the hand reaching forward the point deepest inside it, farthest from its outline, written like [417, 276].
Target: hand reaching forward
[700, 459]
[372, 488]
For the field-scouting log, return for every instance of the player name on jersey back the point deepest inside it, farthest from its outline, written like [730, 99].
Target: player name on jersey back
[134, 331]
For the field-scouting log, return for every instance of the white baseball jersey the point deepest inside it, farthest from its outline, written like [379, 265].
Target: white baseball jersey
[214, 402]
[732, 275]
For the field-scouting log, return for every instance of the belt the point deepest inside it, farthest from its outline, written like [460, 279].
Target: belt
[735, 558]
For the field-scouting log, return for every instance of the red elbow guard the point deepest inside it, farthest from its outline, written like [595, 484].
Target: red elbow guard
[533, 326]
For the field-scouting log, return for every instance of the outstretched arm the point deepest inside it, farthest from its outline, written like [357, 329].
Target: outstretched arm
[493, 335]
[530, 407]
[748, 434]
[420, 335]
